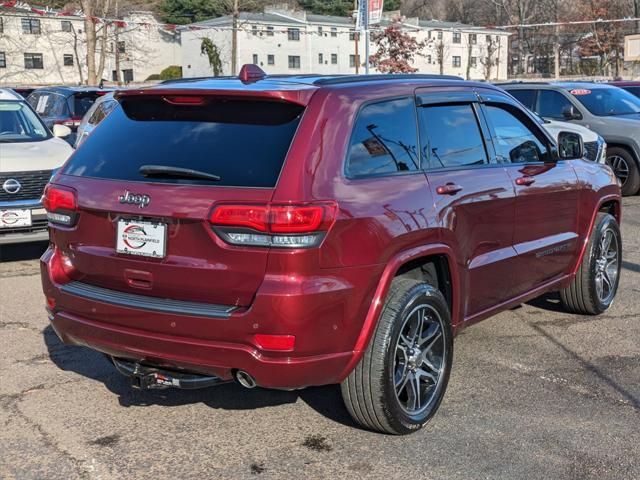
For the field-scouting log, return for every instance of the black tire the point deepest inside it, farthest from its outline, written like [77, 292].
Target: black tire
[623, 164]
[582, 295]
[369, 392]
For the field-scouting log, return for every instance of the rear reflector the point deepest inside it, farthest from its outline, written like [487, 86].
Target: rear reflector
[61, 204]
[282, 343]
[287, 226]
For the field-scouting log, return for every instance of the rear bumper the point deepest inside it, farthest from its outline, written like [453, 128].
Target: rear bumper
[326, 323]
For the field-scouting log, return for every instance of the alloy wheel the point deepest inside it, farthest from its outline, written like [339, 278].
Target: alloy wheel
[607, 266]
[419, 359]
[620, 167]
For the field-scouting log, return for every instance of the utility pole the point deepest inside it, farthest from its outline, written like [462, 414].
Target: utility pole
[556, 52]
[117, 48]
[366, 36]
[356, 37]
[234, 38]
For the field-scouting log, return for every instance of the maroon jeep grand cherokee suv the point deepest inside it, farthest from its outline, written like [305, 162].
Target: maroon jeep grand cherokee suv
[295, 231]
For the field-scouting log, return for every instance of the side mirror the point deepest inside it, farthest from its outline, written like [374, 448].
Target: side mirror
[61, 131]
[571, 113]
[570, 146]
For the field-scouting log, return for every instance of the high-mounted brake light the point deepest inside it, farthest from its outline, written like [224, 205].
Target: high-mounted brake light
[288, 226]
[185, 100]
[61, 204]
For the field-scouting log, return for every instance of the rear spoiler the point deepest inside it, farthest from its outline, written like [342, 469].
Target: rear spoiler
[191, 96]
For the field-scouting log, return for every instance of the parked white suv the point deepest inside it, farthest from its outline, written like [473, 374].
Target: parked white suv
[29, 156]
[595, 148]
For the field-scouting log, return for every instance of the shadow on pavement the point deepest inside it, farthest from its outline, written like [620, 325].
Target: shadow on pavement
[549, 302]
[96, 366]
[634, 267]
[22, 251]
[589, 366]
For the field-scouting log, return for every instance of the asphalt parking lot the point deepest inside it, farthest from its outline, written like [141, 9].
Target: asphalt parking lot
[534, 393]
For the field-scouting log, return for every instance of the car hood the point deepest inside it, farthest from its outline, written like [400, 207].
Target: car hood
[554, 128]
[33, 156]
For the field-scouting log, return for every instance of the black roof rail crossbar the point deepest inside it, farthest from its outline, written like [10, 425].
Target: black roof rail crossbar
[396, 76]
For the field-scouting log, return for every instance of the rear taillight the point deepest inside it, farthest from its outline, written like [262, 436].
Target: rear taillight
[61, 204]
[73, 122]
[286, 226]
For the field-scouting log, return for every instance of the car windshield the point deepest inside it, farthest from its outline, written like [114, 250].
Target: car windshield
[18, 123]
[604, 102]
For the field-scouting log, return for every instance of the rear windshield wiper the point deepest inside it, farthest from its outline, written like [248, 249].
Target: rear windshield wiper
[176, 172]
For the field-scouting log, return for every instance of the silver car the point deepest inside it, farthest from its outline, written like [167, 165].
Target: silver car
[98, 112]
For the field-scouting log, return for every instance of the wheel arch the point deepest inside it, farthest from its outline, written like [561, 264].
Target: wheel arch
[411, 264]
[608, 204]
[633, 149]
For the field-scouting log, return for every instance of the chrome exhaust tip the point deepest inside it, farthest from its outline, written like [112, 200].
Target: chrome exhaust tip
[246, 380]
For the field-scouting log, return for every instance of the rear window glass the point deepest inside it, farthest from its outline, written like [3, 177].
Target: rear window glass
[633, 90]
[82, 103]
[243, 142]
[48, 104]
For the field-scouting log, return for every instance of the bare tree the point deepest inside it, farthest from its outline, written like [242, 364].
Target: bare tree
[490, 59]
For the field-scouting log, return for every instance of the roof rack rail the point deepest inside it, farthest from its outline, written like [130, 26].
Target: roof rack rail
[523, 82]
[381, 76]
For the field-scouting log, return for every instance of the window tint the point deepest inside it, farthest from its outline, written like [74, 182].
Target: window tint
[384, 139]
[525, 97]
[551, 104]
[633, 90]
[244, 142]
[451, 136]
[513, 141]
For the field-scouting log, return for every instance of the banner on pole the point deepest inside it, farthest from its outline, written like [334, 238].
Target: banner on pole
[375, 13]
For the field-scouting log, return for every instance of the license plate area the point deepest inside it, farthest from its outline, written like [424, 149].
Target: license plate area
[141, 238]
[15, 218]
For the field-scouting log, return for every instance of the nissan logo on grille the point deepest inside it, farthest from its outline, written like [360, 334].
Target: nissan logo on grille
[134, 199]
[11, 186]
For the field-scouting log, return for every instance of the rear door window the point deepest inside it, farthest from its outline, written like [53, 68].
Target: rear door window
[525, 97]
[243, 142]
[451, 136]
[551, 104]
[384, 140]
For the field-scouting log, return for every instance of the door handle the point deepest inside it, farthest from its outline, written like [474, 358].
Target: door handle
[448, 189]
[525, 181]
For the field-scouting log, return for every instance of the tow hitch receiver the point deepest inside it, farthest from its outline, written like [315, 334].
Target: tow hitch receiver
[146, 377]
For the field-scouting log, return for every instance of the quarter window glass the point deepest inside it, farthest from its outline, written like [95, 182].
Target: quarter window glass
[525, 97]
[384, 139]
[513, 141]
[451, 136]
[552, 103]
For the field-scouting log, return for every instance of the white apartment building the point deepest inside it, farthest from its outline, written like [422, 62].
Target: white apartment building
[49, 49]
[284, 41]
